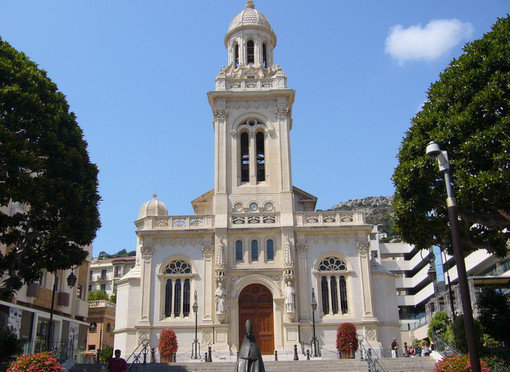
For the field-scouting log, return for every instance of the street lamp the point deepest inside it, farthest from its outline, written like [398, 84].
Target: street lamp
[435, 152]
[315, 342]
[71, 281]
[194, 348]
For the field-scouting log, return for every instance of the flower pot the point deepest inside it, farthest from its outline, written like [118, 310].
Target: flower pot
[166, 359]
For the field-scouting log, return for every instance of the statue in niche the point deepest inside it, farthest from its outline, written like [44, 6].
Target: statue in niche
[290, 294]
[220, 296]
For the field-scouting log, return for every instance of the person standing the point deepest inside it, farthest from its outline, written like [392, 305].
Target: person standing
[394, 348]
[117, 364]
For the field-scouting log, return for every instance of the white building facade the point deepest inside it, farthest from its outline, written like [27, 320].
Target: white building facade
[256, 248]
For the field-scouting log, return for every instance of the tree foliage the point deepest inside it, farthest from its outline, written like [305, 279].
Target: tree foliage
[494, 310]
[10, 345]
[466, 113]
[438, 324]
[97, 295]
[48, 199]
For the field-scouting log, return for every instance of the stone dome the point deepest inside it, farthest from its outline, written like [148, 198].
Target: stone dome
[249, 17]
[153, 207]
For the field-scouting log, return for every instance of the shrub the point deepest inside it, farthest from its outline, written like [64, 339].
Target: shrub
[167, 342]
[438, 324]
[9, 345]
[36, 362]
[345, 336]
[106, 354]
[457, 364]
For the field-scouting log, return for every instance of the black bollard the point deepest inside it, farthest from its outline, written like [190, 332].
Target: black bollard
[307, 354]
[406, 352]
[351, 346]
[210, 354]
[276, 355]
[295, 353]
[206, 359]
[152, 356]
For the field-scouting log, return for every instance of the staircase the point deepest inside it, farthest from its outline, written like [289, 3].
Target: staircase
[343, 365]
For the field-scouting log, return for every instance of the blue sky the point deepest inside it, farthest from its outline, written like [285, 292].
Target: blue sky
[136, 74]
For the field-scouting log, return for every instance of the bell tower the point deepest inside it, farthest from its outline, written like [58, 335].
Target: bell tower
[252, 109]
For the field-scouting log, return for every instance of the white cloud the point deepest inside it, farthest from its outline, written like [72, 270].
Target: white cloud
[426, 43]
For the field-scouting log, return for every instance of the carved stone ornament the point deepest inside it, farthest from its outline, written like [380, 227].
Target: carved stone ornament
[288, 256]
[146, 251]
[282, 112]
[220, 113]
[143, 335]
[207, 251]
[363, 248]
[220, 254]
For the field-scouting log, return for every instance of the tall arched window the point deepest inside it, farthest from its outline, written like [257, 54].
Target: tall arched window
[261, 161]
[239, 250]
[245, 157]
[264, 55]
[236, 55]
[333, 286]
[177, 289]
[250, 52]
[254, 250]
[270, 250]
[168, 297]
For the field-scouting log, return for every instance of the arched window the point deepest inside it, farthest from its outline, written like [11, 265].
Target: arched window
[245, 157]
[261, 161]
[264, 55]
[254, 250]
[236, 55]
[93, 327]
[177, 289]
[270, 250]
[108, 327]
[333, 286]
[250, 49]
[239, 250]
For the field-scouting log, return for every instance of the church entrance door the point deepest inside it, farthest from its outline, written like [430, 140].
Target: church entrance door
[256, 304]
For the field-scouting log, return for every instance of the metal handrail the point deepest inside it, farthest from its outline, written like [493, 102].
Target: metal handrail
[442, 347]
[375, 364]
[142, 348]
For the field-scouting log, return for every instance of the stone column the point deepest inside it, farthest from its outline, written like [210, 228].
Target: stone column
[208, 294]
[364, 250]
[303, 282]
[146, 251]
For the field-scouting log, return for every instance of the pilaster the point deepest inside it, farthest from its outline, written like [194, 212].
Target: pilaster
[146, 251]
[366, 280]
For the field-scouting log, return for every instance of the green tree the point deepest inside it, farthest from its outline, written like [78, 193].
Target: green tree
[466, 113]
[457, 334]
[48, 199]
[10, 345]
[97, 295]
[438, 324]
[494, 310]
[106, 354]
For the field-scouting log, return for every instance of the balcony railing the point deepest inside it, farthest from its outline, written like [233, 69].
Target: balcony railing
[175, 222]
[253, 219]
[326, 219]
[101, 304]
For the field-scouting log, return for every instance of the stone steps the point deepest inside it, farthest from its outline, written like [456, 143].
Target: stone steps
[345, 365]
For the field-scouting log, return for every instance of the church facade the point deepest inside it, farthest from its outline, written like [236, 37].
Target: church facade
[255, 248]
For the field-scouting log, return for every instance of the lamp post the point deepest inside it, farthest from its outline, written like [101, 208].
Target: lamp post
[315, 342]
[71, 281]
[446, 270]
[435, 152]
[194, 349]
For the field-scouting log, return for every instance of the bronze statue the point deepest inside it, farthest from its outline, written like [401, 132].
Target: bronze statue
[249, 359]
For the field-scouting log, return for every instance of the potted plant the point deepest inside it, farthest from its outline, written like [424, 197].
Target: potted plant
[346, 340]
[35, 362]
[167, 345]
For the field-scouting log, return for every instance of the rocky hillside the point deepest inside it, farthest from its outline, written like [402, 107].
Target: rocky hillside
[378, 211]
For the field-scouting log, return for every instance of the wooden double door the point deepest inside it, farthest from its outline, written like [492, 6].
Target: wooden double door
[256, 304]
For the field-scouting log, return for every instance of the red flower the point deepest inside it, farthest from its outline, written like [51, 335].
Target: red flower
[167, 342]
[345, 336]
[35, 362]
